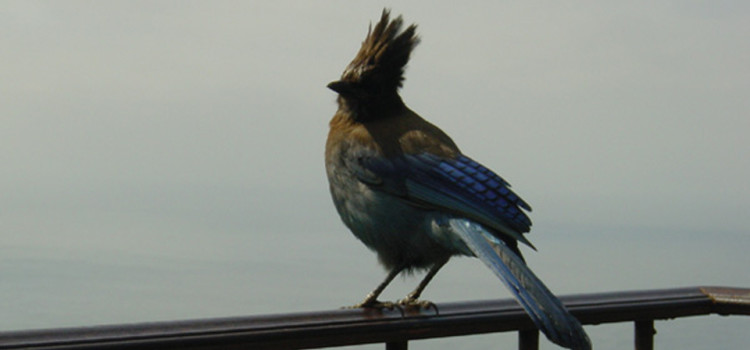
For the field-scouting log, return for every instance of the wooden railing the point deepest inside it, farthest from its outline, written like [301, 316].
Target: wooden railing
[393, 327]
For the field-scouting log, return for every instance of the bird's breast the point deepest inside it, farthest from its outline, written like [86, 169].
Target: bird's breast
[387, 224]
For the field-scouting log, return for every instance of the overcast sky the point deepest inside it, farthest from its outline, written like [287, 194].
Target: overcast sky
[603, 113]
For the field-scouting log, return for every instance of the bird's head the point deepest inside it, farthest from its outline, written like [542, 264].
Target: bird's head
[372, 79]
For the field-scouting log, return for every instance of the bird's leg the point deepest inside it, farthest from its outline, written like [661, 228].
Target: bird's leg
[412, 298]
[371, 300]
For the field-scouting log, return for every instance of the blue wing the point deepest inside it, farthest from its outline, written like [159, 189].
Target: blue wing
[460, 186]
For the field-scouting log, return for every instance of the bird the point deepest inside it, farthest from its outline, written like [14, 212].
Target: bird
[404, 189]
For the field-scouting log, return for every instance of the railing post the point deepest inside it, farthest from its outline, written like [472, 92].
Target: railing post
[644, 335]
[528, 339]
[397, 345]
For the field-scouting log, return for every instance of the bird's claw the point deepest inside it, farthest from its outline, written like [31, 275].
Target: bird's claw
[376, 304]
[416, 303]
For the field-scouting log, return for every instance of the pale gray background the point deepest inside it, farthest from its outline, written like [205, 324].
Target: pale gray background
[163, 160]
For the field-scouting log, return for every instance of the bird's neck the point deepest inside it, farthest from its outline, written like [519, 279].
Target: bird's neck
[370, 110]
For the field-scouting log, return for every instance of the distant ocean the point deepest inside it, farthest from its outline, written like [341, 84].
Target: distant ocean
[78, 269]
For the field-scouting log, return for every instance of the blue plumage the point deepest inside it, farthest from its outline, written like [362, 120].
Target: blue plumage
[484, 186]
[464, 186]
[547, 312]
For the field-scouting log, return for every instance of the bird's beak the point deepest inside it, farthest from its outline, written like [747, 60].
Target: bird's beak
[340, 86]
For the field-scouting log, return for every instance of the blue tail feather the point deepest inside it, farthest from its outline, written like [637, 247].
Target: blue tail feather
[547, 312]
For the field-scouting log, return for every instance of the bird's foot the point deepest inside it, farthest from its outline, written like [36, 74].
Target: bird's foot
[371, 302]
[378, 305]
[374, 304]
[416, 303]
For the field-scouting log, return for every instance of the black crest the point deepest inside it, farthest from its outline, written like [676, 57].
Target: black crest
[384, 53]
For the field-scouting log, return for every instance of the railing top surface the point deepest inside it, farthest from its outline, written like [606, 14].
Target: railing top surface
[359, 326]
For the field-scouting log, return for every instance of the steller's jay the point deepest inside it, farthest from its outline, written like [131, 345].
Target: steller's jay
[402, 186]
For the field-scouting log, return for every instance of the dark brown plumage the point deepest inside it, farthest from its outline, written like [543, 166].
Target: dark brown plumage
[369, 85]
[384, 54]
